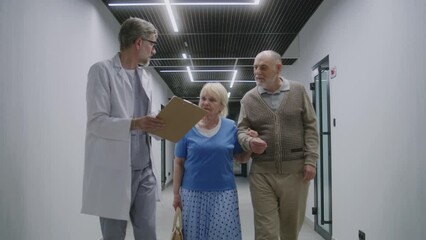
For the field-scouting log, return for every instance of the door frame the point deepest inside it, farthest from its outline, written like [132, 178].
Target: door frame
[324, 63]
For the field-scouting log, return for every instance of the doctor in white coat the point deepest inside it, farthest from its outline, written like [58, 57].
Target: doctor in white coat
[119, 182]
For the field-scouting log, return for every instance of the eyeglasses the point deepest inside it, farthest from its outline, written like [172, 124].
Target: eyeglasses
[153, 43]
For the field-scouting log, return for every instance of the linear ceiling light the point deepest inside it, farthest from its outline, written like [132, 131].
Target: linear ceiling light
[172, 17]
[190, 74]
[233, 79]
[225, 81]
[184, 55]
[134, 4]
[229, 94]
[198, 71]
[255, 2]
[216, 70]
[239, 81]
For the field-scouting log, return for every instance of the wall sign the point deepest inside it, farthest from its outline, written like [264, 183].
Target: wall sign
[333, 72]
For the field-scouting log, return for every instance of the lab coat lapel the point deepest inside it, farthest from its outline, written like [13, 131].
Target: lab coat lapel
[121, 72]
[128, 86]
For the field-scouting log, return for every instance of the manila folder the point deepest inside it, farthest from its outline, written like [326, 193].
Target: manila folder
[179, 117]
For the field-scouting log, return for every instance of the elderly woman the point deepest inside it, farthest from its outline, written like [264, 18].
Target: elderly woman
[204, 185]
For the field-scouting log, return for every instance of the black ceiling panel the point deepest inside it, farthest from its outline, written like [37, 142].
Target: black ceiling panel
[218, 38]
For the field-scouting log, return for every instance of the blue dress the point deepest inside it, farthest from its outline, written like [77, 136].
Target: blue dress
[208, 192]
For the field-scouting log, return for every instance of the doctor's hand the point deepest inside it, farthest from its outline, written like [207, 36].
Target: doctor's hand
[147, 123]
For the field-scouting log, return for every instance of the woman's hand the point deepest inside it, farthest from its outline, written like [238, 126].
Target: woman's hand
[176, 201]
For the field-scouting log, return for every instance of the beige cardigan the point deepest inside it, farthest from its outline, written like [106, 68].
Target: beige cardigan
[290, 131]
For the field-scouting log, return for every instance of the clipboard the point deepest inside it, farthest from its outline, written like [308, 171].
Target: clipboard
[179, 116]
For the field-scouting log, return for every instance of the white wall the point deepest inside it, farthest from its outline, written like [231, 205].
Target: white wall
[378, 100]
[46, 49]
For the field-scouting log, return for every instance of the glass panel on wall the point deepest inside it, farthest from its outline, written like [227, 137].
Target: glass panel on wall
[321, 101]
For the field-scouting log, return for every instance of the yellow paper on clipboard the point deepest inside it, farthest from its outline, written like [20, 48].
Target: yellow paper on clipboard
[179, 116]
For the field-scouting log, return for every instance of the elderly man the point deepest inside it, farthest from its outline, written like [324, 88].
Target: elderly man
[284, 152]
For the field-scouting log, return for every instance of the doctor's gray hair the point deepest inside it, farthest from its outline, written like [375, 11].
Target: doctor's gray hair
[134, 28]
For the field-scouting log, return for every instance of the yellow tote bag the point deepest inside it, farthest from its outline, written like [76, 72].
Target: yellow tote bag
[177, 233]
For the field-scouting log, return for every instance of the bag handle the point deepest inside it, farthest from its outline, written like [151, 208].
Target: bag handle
[177, 221]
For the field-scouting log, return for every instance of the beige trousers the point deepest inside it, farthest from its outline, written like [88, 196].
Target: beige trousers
[279, 204]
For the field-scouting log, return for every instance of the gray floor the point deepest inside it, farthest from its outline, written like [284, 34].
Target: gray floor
[165, 215]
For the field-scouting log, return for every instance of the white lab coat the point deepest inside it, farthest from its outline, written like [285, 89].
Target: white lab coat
[107, 168]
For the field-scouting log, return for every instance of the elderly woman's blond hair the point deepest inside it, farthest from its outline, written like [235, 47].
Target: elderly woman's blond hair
[219, 92]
